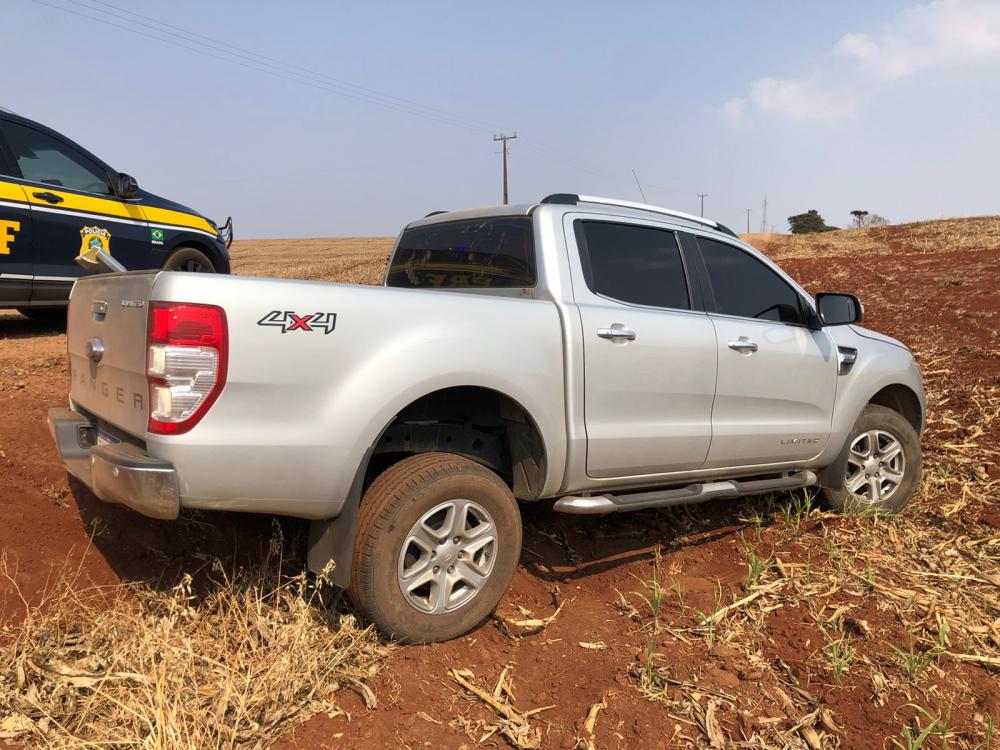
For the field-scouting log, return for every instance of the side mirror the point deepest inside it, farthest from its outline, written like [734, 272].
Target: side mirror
[839, 309]
[125, 186]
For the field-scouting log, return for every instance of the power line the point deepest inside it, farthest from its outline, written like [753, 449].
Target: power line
[297, 69]
[151, 28]
[261, 67]
[504, 138]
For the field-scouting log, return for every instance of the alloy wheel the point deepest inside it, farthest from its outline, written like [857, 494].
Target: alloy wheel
[876, 465]
[447, 557]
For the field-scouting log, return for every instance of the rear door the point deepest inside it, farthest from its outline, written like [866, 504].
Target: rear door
[73, 208]
[15, 237]
[649, 353]
[777, 378]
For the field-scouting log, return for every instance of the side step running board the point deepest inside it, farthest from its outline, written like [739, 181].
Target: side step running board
[692, 493]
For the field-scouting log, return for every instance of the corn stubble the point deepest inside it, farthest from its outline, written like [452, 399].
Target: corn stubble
[235, 667]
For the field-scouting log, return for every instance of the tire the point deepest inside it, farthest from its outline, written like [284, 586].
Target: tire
[190, 260]
[882, 482]
[453, 586]
[55, 316]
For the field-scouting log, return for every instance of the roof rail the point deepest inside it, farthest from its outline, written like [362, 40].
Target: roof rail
[434, 213]
[572, 198]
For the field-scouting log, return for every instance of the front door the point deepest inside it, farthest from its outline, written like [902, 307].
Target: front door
[15, 244]
[73, 208]
[777, 378]
[649, 358]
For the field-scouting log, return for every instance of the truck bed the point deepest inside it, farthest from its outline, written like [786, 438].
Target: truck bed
[315, 372]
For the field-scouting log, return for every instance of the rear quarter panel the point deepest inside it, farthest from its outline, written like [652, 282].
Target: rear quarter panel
[300, 408]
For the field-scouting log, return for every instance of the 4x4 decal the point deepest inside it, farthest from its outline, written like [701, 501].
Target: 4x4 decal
[287, 321]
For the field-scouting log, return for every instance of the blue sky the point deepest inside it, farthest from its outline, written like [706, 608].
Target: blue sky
[892, 107]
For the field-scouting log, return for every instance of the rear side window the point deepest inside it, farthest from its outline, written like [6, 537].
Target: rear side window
[487, 253]
[5, 165]
[746, 287]
[42, 158]
[633, 264]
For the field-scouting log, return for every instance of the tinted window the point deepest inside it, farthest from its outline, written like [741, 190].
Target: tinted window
[746, 287]
[42, 158]
[633, 264]
[488, 253]
[5, 166]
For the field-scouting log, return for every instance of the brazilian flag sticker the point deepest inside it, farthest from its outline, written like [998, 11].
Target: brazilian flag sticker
[157, 236]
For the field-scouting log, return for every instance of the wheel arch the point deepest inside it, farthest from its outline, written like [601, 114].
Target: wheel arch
[481, 423]
[901, 398]
[527, 457]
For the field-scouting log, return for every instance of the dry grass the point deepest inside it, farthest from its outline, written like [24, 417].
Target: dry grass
[355, 260]
[977, 233]
[235, 667]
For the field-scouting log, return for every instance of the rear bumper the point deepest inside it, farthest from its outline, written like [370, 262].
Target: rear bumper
[119, 473]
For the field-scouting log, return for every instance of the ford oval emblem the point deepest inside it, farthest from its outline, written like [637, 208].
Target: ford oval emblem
[95, 350]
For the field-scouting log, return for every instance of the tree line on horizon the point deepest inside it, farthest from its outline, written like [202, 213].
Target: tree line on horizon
[811, 221]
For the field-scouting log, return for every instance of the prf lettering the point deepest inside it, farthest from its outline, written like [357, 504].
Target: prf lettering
[7, 230]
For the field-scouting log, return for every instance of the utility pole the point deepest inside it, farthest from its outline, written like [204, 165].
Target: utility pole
[703, 196]
[748, 221]
[504, 138]
[763, 216]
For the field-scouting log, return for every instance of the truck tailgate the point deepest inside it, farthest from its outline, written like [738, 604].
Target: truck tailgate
[106, 335]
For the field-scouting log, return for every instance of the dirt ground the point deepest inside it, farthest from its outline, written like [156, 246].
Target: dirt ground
[761, 623]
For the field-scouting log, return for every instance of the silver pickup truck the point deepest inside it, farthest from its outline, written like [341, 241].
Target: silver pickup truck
[605, 355]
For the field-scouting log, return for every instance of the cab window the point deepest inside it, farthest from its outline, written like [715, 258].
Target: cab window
[6, 169]
[486, 253]
[745, 287]
[633, 264]
[41, 158]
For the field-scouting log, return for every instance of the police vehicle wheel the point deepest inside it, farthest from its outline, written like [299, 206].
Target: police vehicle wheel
[50, 315]
[883, 464]
[190, 260]
[438, 541]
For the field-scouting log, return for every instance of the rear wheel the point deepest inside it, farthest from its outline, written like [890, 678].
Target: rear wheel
[189, 259]
[438, 541]
[883, 464]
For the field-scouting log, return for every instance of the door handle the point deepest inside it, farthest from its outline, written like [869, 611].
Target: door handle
[49, 197]
[615, 333]
[743, 345]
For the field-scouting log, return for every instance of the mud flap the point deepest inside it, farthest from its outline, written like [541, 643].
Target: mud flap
[833, 476]
[333, 540]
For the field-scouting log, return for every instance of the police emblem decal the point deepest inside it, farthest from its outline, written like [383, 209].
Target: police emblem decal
[94, 239]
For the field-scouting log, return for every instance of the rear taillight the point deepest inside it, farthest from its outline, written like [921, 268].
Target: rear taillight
[186, 357]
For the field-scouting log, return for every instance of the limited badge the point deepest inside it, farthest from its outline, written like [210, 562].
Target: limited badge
[156, 235]
[93, 240]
